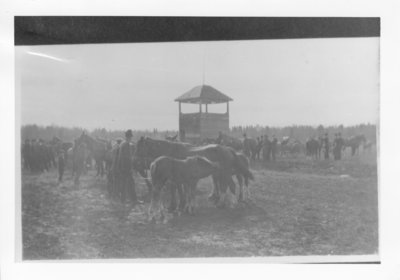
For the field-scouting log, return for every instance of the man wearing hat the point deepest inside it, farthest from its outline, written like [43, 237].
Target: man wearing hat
[124, 163]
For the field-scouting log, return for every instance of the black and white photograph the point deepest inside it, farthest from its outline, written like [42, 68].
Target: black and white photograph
[198, 138]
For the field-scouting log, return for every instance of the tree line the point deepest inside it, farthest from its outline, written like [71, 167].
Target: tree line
[299, 132]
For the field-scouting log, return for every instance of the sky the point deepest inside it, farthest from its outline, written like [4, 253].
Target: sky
[272, 82]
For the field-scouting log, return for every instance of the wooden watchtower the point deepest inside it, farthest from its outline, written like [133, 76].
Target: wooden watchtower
[194, 127]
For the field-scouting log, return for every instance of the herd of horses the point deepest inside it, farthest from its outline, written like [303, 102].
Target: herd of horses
[178, 166]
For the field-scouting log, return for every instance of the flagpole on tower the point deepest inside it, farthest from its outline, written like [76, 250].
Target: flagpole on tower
[204, 66]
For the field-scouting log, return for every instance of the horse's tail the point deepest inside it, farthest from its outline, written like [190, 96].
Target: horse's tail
[242, 168]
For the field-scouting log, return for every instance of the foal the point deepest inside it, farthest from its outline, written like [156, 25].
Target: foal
[182, 173]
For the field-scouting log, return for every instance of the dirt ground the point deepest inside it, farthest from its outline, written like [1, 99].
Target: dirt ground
[299, 207]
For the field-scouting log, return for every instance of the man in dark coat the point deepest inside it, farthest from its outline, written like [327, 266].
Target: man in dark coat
[266, 148]
[125, 170]
[338, 146]
[326, 146]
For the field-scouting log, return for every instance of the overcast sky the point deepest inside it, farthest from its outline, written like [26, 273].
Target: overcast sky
[272, 82]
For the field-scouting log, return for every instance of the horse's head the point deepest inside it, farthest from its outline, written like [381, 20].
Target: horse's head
[204, 167]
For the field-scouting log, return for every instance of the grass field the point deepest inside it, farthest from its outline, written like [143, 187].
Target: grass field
[299, 207]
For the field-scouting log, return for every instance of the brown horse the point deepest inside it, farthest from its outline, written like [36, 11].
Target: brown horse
[172, 138]
[312, 146]
[148, 149]
[251, 148]
[354, 143]
[184, 174]
[229, 141]
[98, 150]
[243, 179]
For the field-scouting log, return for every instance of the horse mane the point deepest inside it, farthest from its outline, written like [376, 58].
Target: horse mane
[157, 147]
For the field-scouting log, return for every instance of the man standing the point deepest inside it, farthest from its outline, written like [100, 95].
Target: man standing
[326, 145]
[220, 138]
[274, 146]
[125, 166]
[338, 146]
[266, 148]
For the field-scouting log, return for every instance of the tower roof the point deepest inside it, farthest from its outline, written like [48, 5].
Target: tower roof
[203, 94]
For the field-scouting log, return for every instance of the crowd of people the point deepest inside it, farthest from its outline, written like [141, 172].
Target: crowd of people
[37, 155]
[266, 148]
[40, 156]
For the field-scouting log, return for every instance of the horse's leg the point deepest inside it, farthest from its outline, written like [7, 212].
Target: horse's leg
[240, 181]
[215, 192]
[102, 168]
[172, 205]
[193, 196]
[155, 197]
[246, 183]
[220, 202]
[189, 191]
[232, 187]
[183, 196]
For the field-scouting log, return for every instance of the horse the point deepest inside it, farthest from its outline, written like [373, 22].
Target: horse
[149, 149]
[243, 179]
[312, 146]
[234, 143]
[98, 150]
[79, 161]
[251, 148]
[172, 138]
[283, 146]
[354, 143]
[182, 173]
[368, 145]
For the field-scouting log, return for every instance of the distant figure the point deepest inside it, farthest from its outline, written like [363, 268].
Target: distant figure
[125, 169]
[259, 147]
[266, 148]
[79, 161]
[326, 146]
[246, 146]
[338, 146]
[274, 147]
[61, 164]
[220, 138]
[182, 135]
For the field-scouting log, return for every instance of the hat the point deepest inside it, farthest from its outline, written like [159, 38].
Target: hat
[128, 133]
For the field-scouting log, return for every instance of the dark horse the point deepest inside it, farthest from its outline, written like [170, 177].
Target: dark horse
[147, 150]
[186, 173]
[312, 147]
[172, 138]
[98, 150]
[251, 148]
[355, 142]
